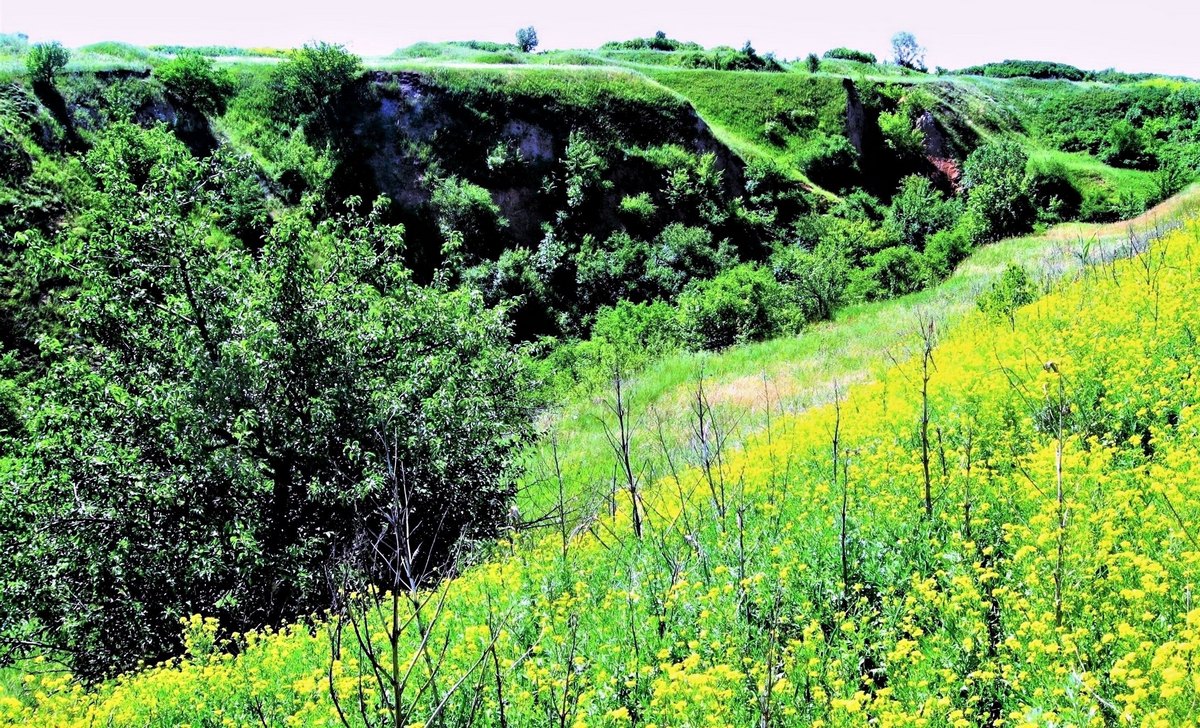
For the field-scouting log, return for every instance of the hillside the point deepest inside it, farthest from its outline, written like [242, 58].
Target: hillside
[1044, 578]
[651, 385]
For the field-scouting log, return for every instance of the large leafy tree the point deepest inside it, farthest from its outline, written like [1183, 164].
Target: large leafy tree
[218, 418]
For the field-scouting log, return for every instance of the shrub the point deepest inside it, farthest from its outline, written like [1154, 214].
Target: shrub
[215, 461]
[997, 189]
[681, 254]
[638, 332]
[193, 79]
[639, 207]
[850, 54]
[313, 86]
[917, 211]
[45, 60]
[1010, 292]
[660, 42]
[812, 63]
[1055, 196]
[1125, 145]
[466, 214]
[945, 249]
[1030, 69]
[830, 161]
[817, 278]
[891, 272]
[900, 134]
[743, 304]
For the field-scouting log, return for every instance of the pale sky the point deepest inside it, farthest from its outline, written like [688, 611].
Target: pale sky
[1143, 35]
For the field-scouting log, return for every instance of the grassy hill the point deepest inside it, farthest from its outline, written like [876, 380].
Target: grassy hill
[788, 396]
[805, 576]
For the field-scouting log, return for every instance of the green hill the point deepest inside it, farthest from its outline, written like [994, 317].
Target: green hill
[646, 385]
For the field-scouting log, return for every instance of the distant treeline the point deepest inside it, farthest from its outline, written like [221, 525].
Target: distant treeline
[1050, 70]
[214, 51]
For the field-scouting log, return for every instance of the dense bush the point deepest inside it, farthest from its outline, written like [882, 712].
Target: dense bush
[1030, 69]
[1125, 145]
[660, 42]
[891, 272]
[743, 304]
[314, 87]
[637, 333]
[917, 211]
[193, 79]
[725, 58]
[997, 189]
[850, 54]
[1055, 195]
[945, 249]
[817, 278]
[467, 218]
[830, 161]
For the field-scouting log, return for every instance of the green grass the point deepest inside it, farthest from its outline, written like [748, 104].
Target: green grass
[750, 384]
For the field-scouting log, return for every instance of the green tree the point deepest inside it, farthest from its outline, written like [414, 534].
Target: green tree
[45, 60]
[313, 88]
[527, 39]
[193, 79]
[907, 51]
[812, 63]
[220, 418]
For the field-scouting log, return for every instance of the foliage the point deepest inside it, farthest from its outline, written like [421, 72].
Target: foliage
[742, 304]
[919, 210]
[891, 272]
[13, 44]
[467, 218]
[216, 51]
[907, 52]
[45, 60]
[945, 249]
[900, 135]
[313, 87]
[755, 607]
[660, 42]
[215, 416]
[812, 63]
[998, 194]
[193, 79]
[1012, 291]
[1029, 69]
[1126, 146]
[850, 54]
[527, 39]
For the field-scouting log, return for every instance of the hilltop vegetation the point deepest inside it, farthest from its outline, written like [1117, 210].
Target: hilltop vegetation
[322, 380]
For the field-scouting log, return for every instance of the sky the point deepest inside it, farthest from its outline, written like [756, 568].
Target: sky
[1147, 35]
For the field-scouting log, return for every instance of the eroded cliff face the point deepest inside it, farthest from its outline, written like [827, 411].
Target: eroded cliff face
[513, 146]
